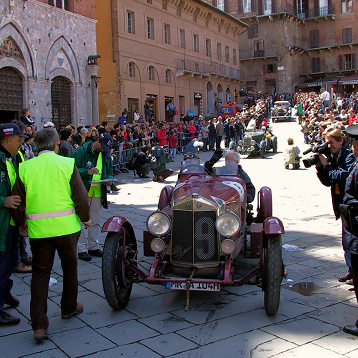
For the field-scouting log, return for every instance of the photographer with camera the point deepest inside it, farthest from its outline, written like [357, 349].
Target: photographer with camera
[349, 211]
[332, 170]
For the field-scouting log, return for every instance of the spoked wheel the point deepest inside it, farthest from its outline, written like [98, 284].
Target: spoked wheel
[117, 279]
[273, 273]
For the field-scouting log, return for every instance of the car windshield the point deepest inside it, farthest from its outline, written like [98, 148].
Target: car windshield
[283, 104]
[193, 166]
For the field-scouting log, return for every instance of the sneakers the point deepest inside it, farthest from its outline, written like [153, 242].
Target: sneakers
[40, 335]
[6, 319]
[84, 256]
[78, 310]
[97, 252]
[22, 268]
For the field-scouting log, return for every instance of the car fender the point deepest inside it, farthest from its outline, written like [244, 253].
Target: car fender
[165, 197]
[116, 223]
[273, 226]
[263, 144]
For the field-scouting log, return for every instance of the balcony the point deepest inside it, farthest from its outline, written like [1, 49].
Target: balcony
[251, 54]
[345, 67]
[203, 69]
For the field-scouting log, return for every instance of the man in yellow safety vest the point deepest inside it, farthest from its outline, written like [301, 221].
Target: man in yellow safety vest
[52, 195]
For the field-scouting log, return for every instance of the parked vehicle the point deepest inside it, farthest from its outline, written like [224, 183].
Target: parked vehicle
[257, 143]
[199, 236]
[281, 110]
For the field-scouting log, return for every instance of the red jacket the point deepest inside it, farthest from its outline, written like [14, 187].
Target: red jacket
[162, 137]
[173, 141]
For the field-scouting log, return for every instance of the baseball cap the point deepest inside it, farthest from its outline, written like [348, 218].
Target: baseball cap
[9, 129]
[49, 125]
[106, 141]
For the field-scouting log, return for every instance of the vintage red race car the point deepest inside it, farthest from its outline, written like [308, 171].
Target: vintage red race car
[199, 235]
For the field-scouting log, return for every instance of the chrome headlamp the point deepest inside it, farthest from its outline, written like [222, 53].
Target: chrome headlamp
[158, 223]
[227, 224]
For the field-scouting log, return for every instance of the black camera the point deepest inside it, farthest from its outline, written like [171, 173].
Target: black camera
[317, 150]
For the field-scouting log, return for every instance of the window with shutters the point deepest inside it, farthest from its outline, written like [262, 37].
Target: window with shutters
[347, 35]
[208, 47]
[267, 7]
[196, 43]
[271, 68]
[247, 6]
[167, 33]
[234, 57]
[253, 31]
[316, 64]
[347, 6]
[227, 54]
[165, 4]
[348, 62]
[61, 4]
[314, 38]
[131, 69]
[182, 38]
[218, 51]
[151, 72]
[61, 101]
[259, 48]
[130, 22]
[150, 28]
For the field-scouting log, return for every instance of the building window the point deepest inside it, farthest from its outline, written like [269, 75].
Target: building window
[196, 43]
[271, 68]
[253, 31]
[61, 4]
[314, 38]
[208, 47]
[149, 1]
[316, 64]
[323, 7]
[131, 69]
[347, 35]
[167, 33]
[259, 48]
[150, 28]
[347, 6]
[218, 51]
[267, 7]
[247, 6]
[151, 75]
[234, 57]
[227, 54]
[221, 5]
[168, 76]
[61, 101]
[182, 38]
[165, 4]
[130, 22]
[346, 62]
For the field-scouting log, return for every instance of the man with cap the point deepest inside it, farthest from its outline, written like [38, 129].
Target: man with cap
[50, 208]
[350, 217]
[93, 160]
[11, 138]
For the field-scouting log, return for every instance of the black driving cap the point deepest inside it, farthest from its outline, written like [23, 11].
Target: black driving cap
[352, 131]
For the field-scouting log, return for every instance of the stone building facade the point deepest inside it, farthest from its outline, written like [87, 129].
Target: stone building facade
[297, 44]
[48, 61]
[181, 50]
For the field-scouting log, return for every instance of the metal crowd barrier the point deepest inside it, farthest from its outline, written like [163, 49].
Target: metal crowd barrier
[122, 157]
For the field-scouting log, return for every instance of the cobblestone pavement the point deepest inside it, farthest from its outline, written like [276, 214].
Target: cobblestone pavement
[314, 305]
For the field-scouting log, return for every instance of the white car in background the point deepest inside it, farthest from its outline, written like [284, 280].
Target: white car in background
[281, 110]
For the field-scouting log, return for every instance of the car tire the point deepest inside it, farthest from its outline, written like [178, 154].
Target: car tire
[273, 274]
[117, 279]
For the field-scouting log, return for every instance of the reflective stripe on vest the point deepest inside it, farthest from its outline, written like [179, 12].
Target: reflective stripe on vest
[50, 211]
[11, 172]
[96, 190]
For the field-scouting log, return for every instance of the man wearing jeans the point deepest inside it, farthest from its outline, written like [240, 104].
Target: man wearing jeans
[52, 197]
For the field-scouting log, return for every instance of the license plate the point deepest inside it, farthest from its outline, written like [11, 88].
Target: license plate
[194, 286]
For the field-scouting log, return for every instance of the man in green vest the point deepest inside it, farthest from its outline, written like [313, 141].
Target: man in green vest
[93, 160]
[52, 198]
[11, 139]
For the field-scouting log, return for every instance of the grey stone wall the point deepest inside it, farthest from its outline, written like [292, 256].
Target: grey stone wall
[53, 42]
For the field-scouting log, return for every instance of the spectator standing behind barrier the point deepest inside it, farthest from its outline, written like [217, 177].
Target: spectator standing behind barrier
[52, 225]
[93, 160]
[173, 144]
[350, 223]
[66, 149]
[333, 171]
[11, 139]
[219, 132]
[212, 134]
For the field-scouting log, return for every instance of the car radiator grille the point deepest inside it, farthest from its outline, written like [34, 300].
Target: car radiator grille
[194, 237]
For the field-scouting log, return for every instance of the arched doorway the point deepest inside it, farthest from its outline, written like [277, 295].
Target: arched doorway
[11, 94]
[210, 99]
[61, 102]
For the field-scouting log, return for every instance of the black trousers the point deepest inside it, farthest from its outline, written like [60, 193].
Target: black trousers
[354, 267]
[43, 255]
